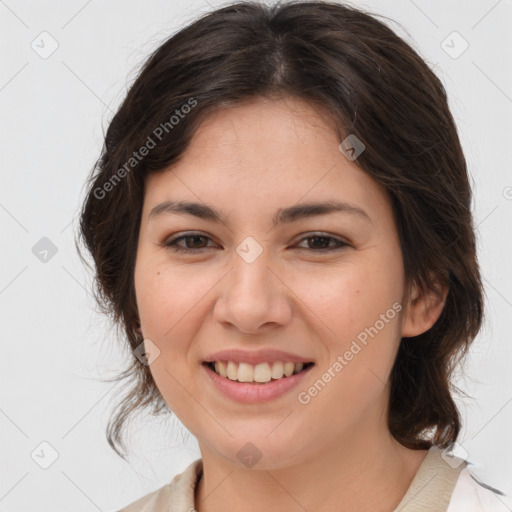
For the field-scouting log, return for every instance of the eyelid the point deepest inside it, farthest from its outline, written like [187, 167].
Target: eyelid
[341, 242]
[180, 236]
[323, 234]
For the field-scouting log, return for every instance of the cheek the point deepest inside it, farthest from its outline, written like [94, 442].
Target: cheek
[361, 312]
[359, 309]
[350, 297]
[169, 305]
[165, 297]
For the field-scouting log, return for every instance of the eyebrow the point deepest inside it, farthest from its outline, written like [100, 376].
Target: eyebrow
[281, 216]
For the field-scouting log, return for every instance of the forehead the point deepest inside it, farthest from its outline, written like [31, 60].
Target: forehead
[277, 127]
[266, 152]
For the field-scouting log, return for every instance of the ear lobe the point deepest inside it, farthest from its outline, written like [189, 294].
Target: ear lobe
[423, 309]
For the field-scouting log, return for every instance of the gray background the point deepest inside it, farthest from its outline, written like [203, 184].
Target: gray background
[55, 346]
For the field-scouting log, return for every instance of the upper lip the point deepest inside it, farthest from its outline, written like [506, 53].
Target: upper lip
[256, 356]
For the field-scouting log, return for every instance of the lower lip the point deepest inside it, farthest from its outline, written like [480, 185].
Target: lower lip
[248, 393]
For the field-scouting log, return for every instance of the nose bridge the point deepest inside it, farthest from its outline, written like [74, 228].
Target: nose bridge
[251, 273]
[253, 295]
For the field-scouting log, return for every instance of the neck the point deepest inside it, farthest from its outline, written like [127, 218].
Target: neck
[367, 473]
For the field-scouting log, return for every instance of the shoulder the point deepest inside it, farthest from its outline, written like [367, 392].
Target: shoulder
[177, 495]
[472, 495]
[152, 502]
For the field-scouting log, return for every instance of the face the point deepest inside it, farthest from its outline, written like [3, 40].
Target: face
[324, 287]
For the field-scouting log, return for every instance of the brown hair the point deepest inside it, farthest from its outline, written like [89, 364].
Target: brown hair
[375, 86]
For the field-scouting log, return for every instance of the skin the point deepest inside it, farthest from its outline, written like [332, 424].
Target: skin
[335, 452]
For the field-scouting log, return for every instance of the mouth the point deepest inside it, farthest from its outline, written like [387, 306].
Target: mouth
[258, 374]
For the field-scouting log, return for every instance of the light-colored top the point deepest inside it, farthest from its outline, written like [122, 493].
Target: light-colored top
[441, 484]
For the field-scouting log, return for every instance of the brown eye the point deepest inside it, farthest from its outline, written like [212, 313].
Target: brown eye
[196, 244]
[323, 243]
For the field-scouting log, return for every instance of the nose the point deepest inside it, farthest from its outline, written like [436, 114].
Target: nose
[253, 296]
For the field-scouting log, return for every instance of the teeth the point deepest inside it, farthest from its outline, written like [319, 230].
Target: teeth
[232, 370]
[288, 369]
[262, 372]
[245, 372]
[220, 368]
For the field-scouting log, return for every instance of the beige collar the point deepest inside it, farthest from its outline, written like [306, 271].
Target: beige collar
[432, 487]
[430, 490]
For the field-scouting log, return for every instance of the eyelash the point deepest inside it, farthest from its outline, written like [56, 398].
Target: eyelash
[171, 244]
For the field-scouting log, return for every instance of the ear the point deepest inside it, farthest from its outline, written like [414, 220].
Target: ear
[423, 309]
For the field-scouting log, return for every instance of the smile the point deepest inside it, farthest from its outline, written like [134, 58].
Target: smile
[258, 374]
[251, 391]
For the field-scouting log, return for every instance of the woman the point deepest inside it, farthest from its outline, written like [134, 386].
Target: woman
[280, 221]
